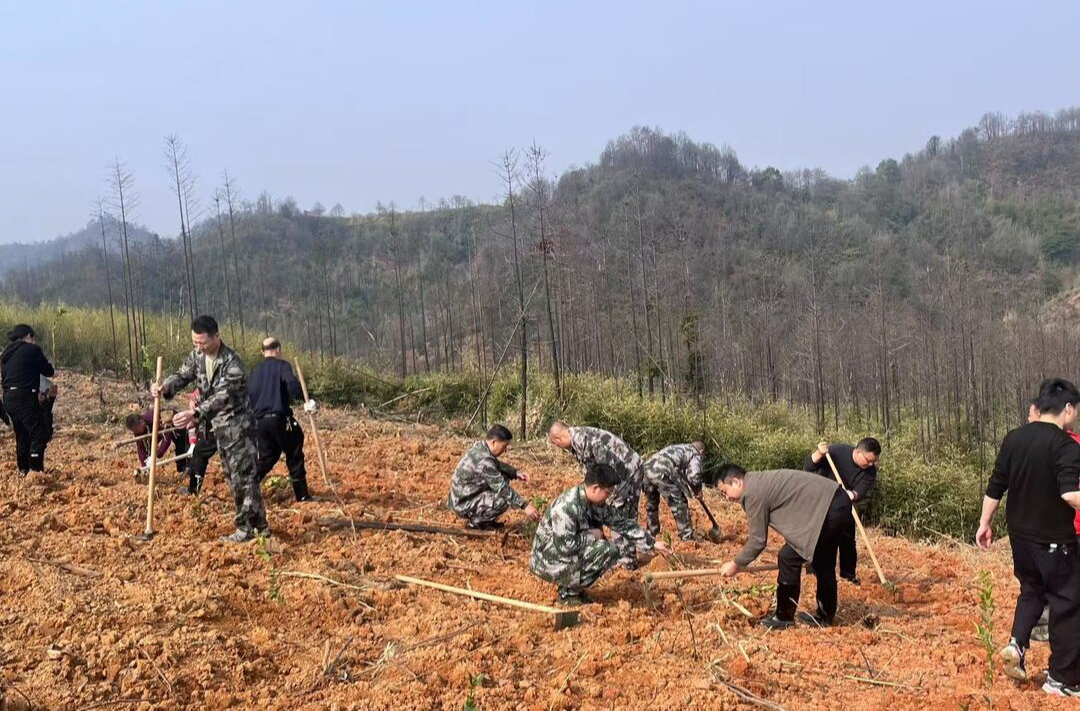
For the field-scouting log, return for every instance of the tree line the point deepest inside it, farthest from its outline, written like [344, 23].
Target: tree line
[925, 296]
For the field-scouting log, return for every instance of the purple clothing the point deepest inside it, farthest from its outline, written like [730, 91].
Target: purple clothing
[165, 439]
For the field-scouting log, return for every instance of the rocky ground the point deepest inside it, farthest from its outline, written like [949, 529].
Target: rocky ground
[92, 618]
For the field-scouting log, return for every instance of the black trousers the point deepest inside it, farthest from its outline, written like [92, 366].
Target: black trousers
[849, 556]
[1049, 575]
[837, 528]
[277, 435]
[31, 428]
[205, 448]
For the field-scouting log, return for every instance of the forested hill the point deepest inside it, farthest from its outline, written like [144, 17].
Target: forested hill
[18, 255]
[911, 290]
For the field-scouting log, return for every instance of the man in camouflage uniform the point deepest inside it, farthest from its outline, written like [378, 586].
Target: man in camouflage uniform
[480, 489]
[570, 549]
[675, 472]
[591, 445]
[219, 374]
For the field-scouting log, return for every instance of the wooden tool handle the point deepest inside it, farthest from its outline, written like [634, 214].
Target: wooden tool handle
[858, 522]
[702, 572]
[314, 430]
[479, 595]
[153, 454]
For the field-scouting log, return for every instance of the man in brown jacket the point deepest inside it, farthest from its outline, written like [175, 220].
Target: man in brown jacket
[813, 515]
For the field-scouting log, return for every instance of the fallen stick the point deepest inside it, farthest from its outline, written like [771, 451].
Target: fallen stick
[858, 522]
[323, 578]
[702, 572]
[563, 618]
[566, 682]
[410, 527]
[880, 682]
[749, 697]
[140, 438]
[68, 567]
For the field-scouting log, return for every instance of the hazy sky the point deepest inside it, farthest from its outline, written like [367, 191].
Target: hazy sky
[355, 102]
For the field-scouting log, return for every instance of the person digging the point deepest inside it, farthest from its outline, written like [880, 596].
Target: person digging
[570, 548]
[813, 515]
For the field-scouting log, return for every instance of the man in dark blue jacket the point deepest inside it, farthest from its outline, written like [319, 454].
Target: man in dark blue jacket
[22, 365]
[272, 387]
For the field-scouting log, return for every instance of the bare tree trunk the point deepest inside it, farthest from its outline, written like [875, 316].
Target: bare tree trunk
[108, 285]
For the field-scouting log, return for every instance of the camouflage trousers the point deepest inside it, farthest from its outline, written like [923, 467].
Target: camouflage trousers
[239, 455]
[597, 558]
[483, 509]
[677, 501]
[628, 507]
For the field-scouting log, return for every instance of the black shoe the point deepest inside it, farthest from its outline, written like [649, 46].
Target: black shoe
[773, 622]
[186, 491]
[24, 472]
[573, 598]
[814, 620]
[485, 525]
[853, 579]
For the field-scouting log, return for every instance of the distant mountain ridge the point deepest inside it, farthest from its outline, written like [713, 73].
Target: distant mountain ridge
[20, 255]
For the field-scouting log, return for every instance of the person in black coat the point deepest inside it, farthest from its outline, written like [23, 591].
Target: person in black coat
[22, 365]
[857, 467]
[272, 387]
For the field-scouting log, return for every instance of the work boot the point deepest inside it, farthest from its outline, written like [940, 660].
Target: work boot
[816, 619]
[1057, 688]
[773, 622]
[572, 598]
[239, 536]
[300, 490]
[1012, 661]
[853, 579]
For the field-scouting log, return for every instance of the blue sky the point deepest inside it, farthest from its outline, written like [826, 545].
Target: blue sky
[355, 102]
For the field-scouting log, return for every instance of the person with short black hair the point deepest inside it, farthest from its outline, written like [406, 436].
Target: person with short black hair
[591, 445]
[812, 514]
[272, 387]
[225, 410]
[570, 549]
[22, 365]
[857, 467]
[1038, 466]
[480, 490]
[142, 426]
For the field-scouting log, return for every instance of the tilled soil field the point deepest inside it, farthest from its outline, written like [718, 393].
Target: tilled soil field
[92, 618]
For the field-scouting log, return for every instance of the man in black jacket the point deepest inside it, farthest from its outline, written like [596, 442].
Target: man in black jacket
[22, 365]
[272, 387]
[857, 467]
[1039, 466]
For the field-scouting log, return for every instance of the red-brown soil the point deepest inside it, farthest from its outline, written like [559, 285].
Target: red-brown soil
[91, 618]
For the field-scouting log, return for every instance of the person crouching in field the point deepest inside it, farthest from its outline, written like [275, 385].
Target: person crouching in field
[813, 515]
[142, 426]
[1038, 465]
[570, 549]
[480, 490]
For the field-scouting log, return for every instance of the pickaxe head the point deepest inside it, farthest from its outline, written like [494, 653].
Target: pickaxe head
[566, 618]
